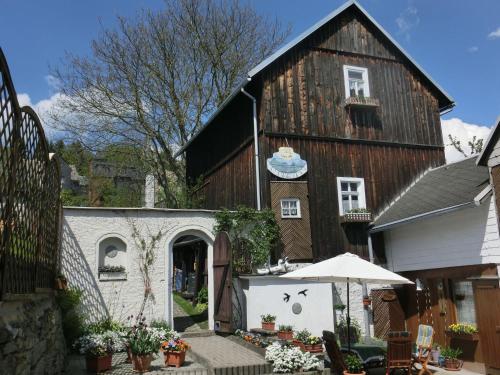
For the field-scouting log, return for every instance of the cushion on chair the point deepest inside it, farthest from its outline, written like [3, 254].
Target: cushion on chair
[425, 335]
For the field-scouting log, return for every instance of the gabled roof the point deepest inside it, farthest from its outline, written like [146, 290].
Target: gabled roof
[490, 143]
[287, 47]
[439, 190]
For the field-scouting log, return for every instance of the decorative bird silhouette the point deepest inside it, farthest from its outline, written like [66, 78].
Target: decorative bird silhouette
[303, 292]
[287, 297]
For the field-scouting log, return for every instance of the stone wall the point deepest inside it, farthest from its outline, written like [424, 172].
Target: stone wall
[31, 336]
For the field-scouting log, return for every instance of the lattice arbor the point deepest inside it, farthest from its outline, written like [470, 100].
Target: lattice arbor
[29, 197]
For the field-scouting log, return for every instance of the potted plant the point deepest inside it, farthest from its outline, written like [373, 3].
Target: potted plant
[285, 332]
[98, 351]
[463, 331]
[354, 365]
[174, 352]
[435, 353]
[313, 344]
[286, 359]
[300, 338]
[143, 343]
[451, 361]
[268, 322]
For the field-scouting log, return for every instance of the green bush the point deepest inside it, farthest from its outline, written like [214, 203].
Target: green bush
[72, 320]
[451, 353]
[203, 295]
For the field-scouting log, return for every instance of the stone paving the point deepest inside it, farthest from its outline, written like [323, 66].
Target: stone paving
[76, 366]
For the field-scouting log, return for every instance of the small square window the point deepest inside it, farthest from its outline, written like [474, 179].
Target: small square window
[356, 81]
[290, 208]
[351, 193]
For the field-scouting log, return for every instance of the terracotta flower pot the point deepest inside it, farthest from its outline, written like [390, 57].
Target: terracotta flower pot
[268, 326]
[367, 301]
[348, 373]
[99, 364]
[174, 358]
[452, 364]
[142, 363]
[285, 335]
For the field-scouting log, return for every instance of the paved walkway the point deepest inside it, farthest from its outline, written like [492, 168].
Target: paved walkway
[76, 366]
[183, 322]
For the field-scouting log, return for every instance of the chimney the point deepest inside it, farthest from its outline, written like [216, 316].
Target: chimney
[149, 191]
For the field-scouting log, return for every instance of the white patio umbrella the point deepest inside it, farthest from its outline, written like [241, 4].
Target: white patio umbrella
[347, 268]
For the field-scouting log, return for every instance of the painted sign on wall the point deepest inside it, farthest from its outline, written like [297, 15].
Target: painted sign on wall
[286, 164]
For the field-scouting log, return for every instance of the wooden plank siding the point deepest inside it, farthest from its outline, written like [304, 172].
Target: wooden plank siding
[300, 102]
[386, 170]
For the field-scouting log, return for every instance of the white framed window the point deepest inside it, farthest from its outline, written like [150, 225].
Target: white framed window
[356, 81]
[351, 193]
[290, 208]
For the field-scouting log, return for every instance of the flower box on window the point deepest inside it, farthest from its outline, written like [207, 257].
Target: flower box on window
[112, 273]
[356, 217]
[362, 102]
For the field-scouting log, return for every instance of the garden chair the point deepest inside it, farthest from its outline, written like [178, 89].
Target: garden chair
[399, 351]
[337, 364]
[424, 345]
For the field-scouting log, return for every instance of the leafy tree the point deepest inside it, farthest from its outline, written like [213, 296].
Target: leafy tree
[475, 145]
[151, 82]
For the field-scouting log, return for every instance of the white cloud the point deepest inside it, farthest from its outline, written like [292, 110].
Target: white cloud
[494, 34]
[473, 49]
[407, 20]
[42, 109]
[464, 133]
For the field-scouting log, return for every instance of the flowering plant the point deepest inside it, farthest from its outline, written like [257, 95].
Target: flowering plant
[177, 345]
[141, 339]
[302, 335]
[94, 345]
[462, 328]
[286, 359]
[313, 340]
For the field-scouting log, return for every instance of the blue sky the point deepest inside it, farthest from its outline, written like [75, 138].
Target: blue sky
[456, 41]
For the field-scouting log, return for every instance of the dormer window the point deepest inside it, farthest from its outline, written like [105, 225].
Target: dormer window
[356, 82]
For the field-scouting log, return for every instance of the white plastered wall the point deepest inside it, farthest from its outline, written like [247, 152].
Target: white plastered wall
[84, 228]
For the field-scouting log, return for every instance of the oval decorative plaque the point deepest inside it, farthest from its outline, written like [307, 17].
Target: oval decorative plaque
[296, 308]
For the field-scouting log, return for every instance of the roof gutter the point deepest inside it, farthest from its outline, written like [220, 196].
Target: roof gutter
[256, 144]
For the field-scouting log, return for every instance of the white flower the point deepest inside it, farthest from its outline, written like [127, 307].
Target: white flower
[291, 359]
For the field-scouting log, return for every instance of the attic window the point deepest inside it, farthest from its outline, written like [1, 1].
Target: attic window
[356, 82]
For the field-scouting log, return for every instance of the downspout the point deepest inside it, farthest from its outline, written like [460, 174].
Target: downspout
[256, 146]
[366, 312]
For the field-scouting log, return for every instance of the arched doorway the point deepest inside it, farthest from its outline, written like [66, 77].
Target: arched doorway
[190, 275]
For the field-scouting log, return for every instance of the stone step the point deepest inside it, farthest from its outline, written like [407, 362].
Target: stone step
[204, 333]
[222, 356]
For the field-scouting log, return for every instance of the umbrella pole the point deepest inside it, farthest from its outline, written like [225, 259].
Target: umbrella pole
[348, 321]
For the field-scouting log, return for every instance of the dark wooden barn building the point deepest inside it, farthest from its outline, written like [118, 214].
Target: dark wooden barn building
[347, 100]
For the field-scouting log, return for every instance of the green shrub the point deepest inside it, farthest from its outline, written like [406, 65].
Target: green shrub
[73, 322]
[202, 295]
[451, 353]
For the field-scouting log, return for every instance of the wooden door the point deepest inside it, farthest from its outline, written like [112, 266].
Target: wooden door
[388, 315]
[223, 283]
[488, 324]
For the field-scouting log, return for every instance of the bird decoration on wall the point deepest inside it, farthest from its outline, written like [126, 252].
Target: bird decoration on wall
[287, 297]
[281, 267]
[304, 292]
